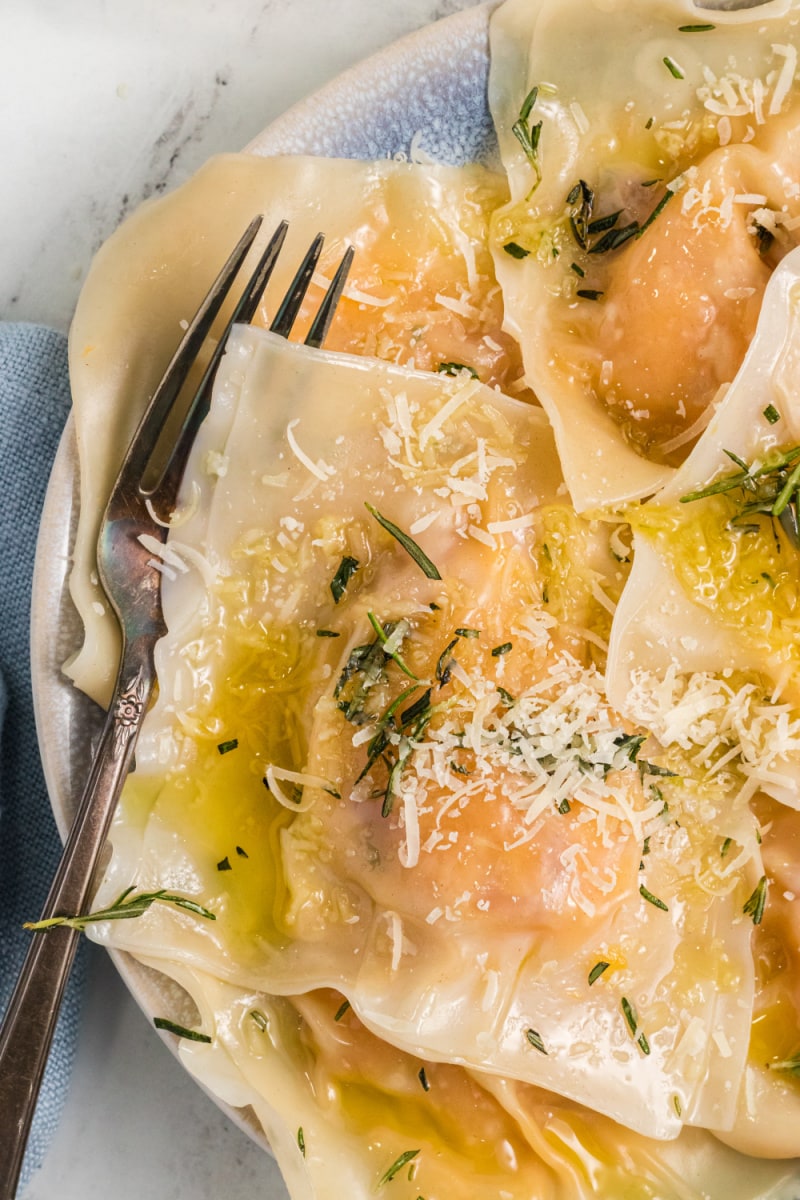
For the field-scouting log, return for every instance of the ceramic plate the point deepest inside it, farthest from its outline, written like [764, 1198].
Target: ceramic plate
[424, 95]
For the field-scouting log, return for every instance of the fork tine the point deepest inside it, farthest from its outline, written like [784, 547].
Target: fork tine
[290, 305]
[327, 310]
[198, 409]
[149, 429]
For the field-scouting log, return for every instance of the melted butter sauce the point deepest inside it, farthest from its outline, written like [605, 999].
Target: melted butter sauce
[751, 581]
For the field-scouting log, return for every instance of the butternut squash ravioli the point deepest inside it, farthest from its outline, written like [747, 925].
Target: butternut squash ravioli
[476, 747]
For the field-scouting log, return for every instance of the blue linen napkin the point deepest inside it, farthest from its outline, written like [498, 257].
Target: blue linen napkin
[34, 401]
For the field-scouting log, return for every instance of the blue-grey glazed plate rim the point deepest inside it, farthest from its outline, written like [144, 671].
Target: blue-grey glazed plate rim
[423, 95]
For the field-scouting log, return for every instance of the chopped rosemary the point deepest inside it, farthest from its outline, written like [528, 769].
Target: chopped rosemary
[601, 224]
[260, 1019]
[408, 544]
[502, 649]
[341, 1010]
[643, 1044]
[596, 971]
[588, 294]
[420, 708]
[631, 744]
[125, 907]
[528, 135]
[180, 1031]
[384, 634]
[242, 853]
[579, 271]
[755, 905]
[771, 413]
[394, 776]
[423, 1078]
[226, 747]
[444, 667]
[651, 899]
[606, 230]
[726, 845]
[535, 1040]
[328, 633]
[790, 1065]
[629, 1012]
[406, 1157]
[506, 697]
[659, 208]
[515, 250]
[224, 864]
[455, 368]
[615, 238]
[368, 663]
[764, 237]
[676, 1104]
[649, 123]
[344, 573]
[463, 632]
[675, 71]
[695, 29]
[581, 201]
[301, 1141]
[771, 490]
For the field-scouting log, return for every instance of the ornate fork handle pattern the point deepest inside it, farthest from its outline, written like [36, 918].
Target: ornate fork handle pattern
[33, 1010]
[132, 584]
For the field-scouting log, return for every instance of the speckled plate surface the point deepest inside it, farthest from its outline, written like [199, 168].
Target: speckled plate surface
[423, 96]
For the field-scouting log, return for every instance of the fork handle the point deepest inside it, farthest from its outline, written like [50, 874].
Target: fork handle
[30, 1020]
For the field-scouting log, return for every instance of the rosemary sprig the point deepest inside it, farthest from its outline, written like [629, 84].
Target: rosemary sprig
[344, 573]
[651, 899]
[191, 1035]
[406, 1157]
[596, 971]
[771, 490]
[535, 1040]
[409, 545]
[455, 368]
[125, 908]
[791, 1066]
[384, 634]
[754, 906]
[581, 201]
[528, 136]
[607, 231]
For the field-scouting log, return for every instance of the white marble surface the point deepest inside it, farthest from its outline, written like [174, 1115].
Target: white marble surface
[104, 103]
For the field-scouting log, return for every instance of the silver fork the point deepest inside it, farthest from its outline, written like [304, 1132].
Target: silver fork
[132, 585]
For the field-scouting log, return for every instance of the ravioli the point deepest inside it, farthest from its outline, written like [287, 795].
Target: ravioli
[422, 291]
[703, 651]
[436, 776]
[654, 188]
[494, 813]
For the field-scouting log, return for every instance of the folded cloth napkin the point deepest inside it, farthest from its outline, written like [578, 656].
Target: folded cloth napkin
[34, 401]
